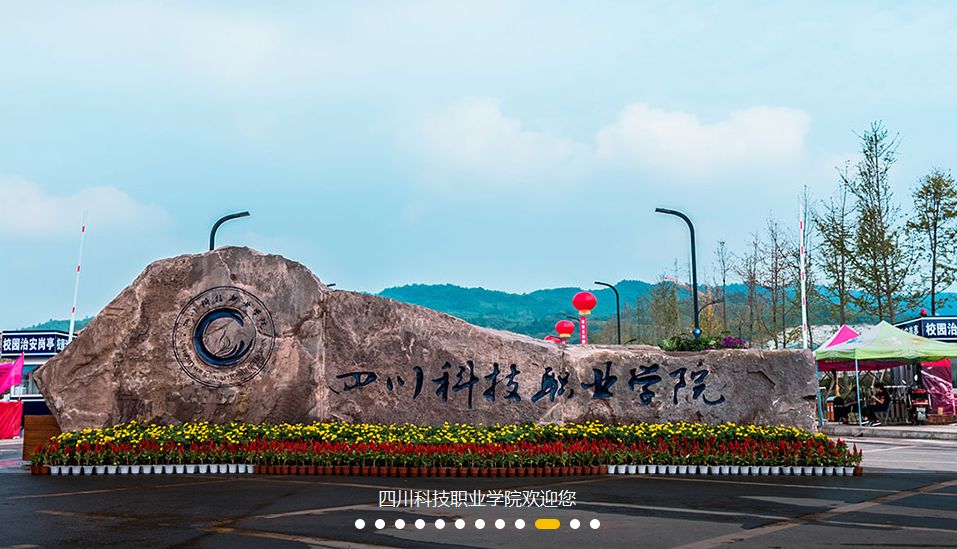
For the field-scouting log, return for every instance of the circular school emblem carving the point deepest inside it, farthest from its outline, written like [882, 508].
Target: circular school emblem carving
[223, 337]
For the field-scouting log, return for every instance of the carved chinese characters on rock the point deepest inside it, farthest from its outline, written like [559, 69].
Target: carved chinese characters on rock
[498, 385]
[223, 337]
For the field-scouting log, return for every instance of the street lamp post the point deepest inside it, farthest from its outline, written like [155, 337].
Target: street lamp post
[220, 221]
[694, 266]
[617, 306]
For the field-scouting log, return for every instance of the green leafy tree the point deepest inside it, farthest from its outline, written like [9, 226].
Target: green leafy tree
[882, 261]
[935, 209]
[834, 226]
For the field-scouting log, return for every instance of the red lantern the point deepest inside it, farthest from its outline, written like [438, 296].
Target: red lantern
[565, 328]
[553, 339]
[584, 302]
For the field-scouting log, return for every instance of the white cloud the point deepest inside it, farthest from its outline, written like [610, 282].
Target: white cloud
[474, 138]
[28, 209]
[679, 143]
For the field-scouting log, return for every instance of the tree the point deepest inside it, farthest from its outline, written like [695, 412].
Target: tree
[773, 273]
[724, 260]
[834, 227]
[747, 269]
[663, 309]
[935, 208]
[881, 261]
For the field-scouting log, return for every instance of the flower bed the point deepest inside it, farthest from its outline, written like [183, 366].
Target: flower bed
[446, 450]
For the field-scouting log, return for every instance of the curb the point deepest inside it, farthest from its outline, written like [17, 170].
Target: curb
[879, 432]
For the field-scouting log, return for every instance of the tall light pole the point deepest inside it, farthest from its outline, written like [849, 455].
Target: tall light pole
[220, 221]
[617, 306]
[694, 267]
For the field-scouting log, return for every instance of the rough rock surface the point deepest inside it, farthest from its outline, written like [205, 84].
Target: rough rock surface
[234, 334]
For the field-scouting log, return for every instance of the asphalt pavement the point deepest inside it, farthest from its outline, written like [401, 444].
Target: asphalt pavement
[907, 498]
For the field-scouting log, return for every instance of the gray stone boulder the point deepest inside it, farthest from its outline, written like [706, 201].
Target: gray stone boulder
[234, 334]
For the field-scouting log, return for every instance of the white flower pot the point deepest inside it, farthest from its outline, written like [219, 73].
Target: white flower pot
[169, 468]
[54, 469]
[848, 471]
[735, 470]
[191, 469]
[808, 471]
[725, 469]
[231, 468]
[765, 469]
[682, 469]
[755, 470]
[672, 469]
[776, 470]
[652, 469]
[611, 469]
[99, 469]
[87, 469]
[243, 468]
[123, 469]
[819, 471]
[787, 470]
[111, 469]
[147, 469]
[632, 469]
[220, 468]
[75, 470]
[179, 468]
[203, 468]
[829, 471]
[642, 469]
[135, 469]
[714, 469]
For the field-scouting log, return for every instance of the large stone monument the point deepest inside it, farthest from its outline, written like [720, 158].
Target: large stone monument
[234, 334]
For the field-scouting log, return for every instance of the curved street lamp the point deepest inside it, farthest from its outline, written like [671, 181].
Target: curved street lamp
[617, 306]
[220, 221]
[694, 266]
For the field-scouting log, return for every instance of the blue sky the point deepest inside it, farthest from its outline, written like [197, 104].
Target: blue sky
[511, 145]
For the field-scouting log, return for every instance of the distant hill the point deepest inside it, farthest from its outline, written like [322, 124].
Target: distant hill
[61, 325]
[533, 313]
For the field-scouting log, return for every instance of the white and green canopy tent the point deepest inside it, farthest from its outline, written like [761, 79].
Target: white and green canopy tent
[878, 348]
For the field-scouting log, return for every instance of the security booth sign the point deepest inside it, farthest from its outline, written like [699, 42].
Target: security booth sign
[941, 328]
[32, 343]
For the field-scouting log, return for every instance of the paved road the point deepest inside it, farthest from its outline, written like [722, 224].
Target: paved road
[908, 497]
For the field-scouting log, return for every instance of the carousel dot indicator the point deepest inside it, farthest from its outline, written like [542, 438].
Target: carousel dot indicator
[420, 524]
[439, 523]
[399, 524]
[479, 524]
[547, 524]
[519, 524]
[360, 524]
[459, 523]
[595, 524]
[500, 524]
[379, 524]
[575, 523]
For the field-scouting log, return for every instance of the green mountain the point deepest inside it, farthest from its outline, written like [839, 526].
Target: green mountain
[61, 325]
[534, 313]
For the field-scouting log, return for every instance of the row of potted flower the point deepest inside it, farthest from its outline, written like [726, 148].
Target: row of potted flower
[134, 432]
[745, 470]
[562, 456]
[158, 469]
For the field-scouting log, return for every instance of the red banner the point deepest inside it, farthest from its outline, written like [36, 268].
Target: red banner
[10, 415]
[937, 381]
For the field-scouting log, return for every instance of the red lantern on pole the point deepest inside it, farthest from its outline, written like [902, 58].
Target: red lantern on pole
[584, 302]
[565, 329]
